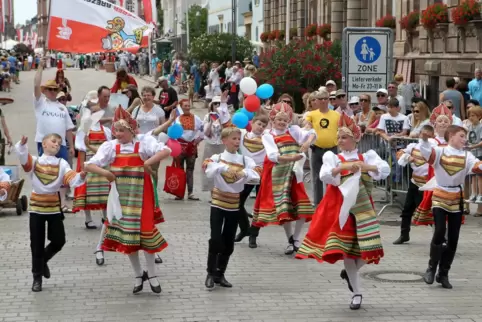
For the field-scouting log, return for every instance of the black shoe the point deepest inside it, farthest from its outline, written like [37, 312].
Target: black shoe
[221, 280]
[344, 276]
[99, 261]
[294, 246]
[429, 276]
[290, 249]
[240, 237]
[46, 272]
[156, 289]
[37, 284]
[139, 288]
[158, 259]
[252, 242]
[209, 283]
[356, 306]
[435, 254]
[402, 239]
[90, 225]
[444, 280]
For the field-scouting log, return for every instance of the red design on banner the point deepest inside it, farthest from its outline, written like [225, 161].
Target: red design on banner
[149, 12]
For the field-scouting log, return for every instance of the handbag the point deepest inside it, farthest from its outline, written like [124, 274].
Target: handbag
[175, 183]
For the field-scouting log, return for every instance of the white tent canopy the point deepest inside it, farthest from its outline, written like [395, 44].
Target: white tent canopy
[9, 44]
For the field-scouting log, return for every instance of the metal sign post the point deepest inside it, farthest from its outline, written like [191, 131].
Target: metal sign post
[367, 60]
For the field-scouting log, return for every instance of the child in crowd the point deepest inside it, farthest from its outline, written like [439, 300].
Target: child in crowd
[474, 140]
[411, 155]
[48, 173]
[4, 185]
[251, 146]
[282, 197]
[231, 171]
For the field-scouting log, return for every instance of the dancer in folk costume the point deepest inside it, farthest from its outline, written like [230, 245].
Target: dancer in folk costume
[48, 173]
[282, 198]
[128, 162]
[441, 119]
[420, 170]
[94, 193]
[231, 171]
[345, 225]
[451, 165]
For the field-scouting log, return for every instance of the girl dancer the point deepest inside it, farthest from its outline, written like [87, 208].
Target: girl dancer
[93, 194]
[345, 226]
[282, 197]
[129, 164]
[451, 164]
[441, 118]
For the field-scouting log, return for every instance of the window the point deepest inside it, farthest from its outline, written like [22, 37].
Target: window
[256, 3]
[257, 34]
[130, 5]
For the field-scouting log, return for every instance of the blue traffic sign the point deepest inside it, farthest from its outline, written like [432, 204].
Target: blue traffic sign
[367, 50]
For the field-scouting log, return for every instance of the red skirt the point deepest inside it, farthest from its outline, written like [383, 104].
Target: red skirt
[327, 242]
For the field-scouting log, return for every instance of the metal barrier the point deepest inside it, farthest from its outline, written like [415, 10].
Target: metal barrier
[399, 180]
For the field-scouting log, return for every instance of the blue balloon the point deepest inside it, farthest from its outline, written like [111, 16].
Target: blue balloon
[175, 131]
[240, 120]
[265, 91]
[249, 114]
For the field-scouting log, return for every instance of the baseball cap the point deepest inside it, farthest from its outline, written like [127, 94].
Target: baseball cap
[330, 82]
[380, 108]
[382, 90]
[340, 92]
[354, 100]
[333, 94]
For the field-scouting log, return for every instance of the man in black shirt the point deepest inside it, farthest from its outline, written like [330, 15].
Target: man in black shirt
[167, 97]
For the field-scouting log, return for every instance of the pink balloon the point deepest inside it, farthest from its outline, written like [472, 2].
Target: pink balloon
[248, 127]
[175, 147]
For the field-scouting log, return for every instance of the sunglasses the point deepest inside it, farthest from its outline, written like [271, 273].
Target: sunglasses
[216, 103]
[341, 96]
[364, 100]
[286, 101]
[416, 111]
[332, 98]
[353, 104]
[381, 95]
[52, 89]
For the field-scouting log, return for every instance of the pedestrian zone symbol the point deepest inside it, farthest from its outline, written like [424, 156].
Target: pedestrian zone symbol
[367, 50]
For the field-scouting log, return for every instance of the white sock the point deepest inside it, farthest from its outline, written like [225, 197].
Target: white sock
[88, 216]
[359, 263]
[136, 266]
[151, 268]
[62, 192]
[288, 229]
[298, 227]
[102, 236]
[104, 213]
[353, 274]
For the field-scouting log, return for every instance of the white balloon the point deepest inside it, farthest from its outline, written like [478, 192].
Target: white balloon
[163, 137]
[248, 86]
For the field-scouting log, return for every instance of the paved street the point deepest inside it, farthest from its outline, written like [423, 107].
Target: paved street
[268, 286]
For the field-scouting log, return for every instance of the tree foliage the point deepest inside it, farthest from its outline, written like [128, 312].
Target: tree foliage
[160, 16]
[217, 47]
[22, 49]
[198, 24]
[300, 66]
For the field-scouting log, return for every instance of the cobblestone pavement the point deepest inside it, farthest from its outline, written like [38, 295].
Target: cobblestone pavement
[268, 286]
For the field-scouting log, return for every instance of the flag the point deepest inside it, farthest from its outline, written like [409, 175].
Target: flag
[20, 35]
[34, 40]
[150, 11]
[2, 16]
[86, 27]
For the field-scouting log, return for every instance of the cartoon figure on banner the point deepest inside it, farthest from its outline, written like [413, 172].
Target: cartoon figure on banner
[65, 31]
[118, 38]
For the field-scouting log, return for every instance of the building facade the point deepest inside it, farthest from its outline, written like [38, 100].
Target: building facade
[421, 56]
[248, 15]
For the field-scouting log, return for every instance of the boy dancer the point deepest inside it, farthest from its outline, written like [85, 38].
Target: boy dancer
[251, 146]
[48, 173]
[230, 171]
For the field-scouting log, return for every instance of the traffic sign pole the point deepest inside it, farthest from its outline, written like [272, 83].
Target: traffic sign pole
[367, 60]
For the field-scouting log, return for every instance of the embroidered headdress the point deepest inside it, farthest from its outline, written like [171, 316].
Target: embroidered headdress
[124, 119]
[441, 111]
[347, 126]
[281, 109]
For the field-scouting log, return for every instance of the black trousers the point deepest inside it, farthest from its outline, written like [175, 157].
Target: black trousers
[453, 221]
[55, 234]
[412, 200]
[221, 245]
[243, 214]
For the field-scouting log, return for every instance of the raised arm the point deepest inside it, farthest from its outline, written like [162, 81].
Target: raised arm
[37, 81]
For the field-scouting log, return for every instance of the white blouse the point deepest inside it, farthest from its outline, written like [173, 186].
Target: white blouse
[443, 180]
[331, 161]
[300, 135]
[213, 128]
[37, 186]
[198, 132]
[80, 136]
[420, 171]
[215, 168]
[107, 151]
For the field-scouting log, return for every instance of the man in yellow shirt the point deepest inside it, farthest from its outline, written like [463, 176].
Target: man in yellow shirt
[325, 122]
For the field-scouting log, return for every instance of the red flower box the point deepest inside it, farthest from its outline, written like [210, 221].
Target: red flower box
[387, 21]
[433, 15]
[324, 30]
[410, 21]
[465, 12]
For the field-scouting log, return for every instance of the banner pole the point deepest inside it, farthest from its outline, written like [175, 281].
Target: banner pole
[46, 40]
